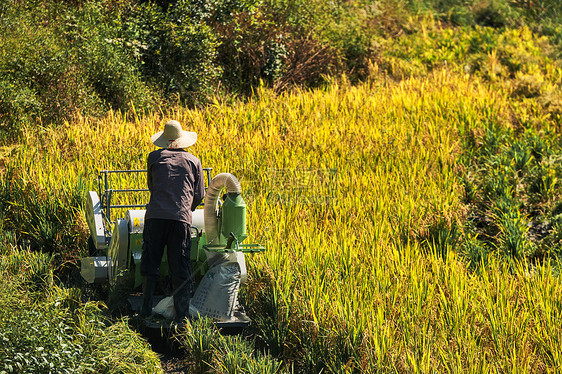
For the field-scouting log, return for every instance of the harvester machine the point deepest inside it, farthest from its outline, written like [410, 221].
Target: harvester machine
[218, 232]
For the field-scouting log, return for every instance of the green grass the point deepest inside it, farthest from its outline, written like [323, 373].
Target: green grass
[45, 328]
[412, 222]
[512, 191]
[206, 350]
[363, 196]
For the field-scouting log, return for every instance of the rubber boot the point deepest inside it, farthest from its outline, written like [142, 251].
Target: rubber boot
[181, 303]
[148, 285]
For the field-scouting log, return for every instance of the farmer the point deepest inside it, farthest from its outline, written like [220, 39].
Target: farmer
[175, 181]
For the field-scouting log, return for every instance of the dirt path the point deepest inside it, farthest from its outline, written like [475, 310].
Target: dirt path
[174, 365]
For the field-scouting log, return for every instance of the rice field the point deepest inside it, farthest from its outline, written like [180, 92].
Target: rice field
[348, 187]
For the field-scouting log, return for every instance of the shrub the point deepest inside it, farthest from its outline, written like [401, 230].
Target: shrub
[37, 78]
[48, 329]
[111, 61]
[496, 13]
[58, 61]
[17, 105]
[252, 48]
[178, 49]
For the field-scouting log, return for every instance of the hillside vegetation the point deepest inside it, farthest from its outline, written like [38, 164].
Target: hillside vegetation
[408, 192]
[59, 59]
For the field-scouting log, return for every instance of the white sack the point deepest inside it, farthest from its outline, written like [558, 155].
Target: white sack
[217, 294]
[165, 308]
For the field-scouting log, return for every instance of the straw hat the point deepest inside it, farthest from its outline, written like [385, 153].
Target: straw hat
[173, 136]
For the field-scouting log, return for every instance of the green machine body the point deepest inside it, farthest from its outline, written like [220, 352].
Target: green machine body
[233, 218]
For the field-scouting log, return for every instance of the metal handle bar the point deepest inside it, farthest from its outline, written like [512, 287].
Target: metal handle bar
[106, 196]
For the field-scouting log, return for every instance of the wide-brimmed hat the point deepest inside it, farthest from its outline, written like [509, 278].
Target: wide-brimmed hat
[174, 136]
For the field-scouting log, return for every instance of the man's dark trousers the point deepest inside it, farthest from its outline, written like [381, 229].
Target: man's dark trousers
[175, 235]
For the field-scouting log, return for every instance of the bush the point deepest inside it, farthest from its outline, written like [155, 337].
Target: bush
[111, 61]
[37, 78]
[47, 329]
[177, 49]
[58, 61]
[17, 105]
[497, 13]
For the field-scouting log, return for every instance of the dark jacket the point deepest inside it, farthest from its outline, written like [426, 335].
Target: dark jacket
[176, 184]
